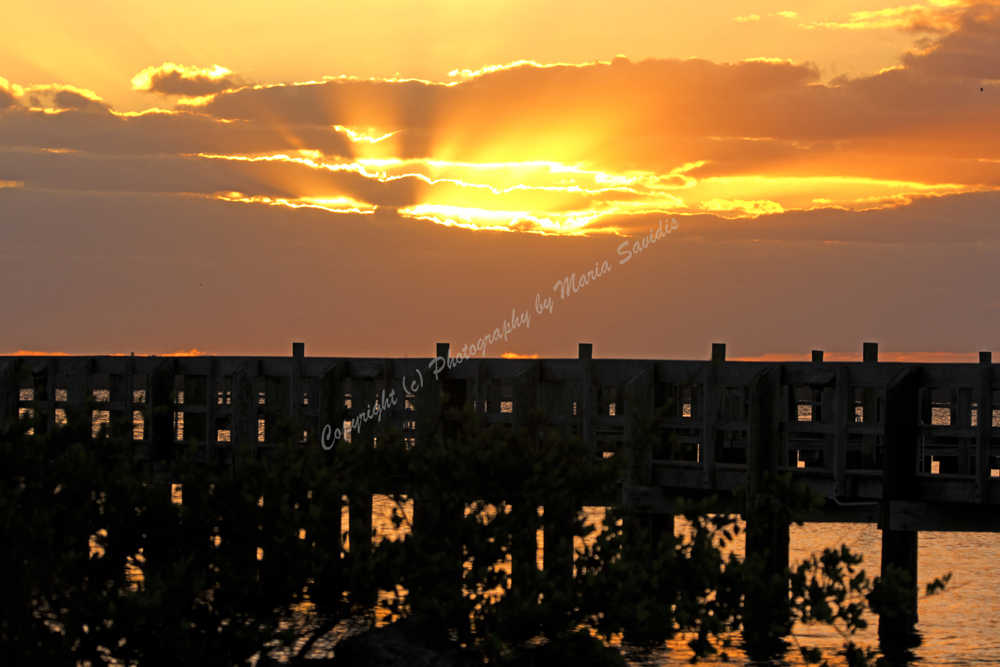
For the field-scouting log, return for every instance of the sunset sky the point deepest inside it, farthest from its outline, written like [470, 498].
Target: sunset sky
[372, 178]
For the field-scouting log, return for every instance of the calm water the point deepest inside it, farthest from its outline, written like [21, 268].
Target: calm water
[960, 626]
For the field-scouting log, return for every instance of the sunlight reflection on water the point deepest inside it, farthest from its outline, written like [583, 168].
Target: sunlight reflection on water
[959, 626]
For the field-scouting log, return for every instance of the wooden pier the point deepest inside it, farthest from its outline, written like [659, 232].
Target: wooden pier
[833, 420]
[911, 446]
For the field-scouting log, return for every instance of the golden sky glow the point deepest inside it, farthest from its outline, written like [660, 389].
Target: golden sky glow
[550, 119]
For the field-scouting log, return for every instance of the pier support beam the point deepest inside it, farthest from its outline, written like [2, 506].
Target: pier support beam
[162, 435]
[766, 616]
[984, 421]
[437, 516]
[869, 408]
[245, 402]
[10, 391]
[526, 395]
[899, 547]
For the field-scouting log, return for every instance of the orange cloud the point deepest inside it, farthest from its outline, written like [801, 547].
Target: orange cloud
[515, 355]
[35, 353]
[174, 79]
[935, 16]
[563, 149]
[50, 97]
[752, 208]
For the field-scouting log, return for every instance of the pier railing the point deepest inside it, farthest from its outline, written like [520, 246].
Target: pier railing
[831, 418]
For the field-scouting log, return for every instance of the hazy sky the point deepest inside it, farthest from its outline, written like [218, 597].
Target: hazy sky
[372, 178]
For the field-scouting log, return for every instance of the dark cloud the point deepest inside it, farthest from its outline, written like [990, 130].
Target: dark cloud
[168, 133]
[970, 52]
[175, 83]
[184, 266]
[174, 79]
[7, 99]
[68, 99]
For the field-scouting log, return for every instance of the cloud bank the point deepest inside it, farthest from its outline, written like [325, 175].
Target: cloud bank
[592, 148]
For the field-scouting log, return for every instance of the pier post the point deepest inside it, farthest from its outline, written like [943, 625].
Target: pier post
[869, 402]
[277, 404]
[984, 422]
[640, 406]
[123, 393]
[196, 394]
[10, 391]
[436, 515]
[961, 415]
[710, 395]
[843, 414]
[162, 434]
[44, 400]
[900, 460]
[360, 504]
[392, 417]
[637, 447]
[330, 390]
[80, 392]
[297, 389]
[526, 390]
[560, 510]
[588, 398]
[331, 401]
[245, 402]
[211, 407]
[121, 422]
[766, 610]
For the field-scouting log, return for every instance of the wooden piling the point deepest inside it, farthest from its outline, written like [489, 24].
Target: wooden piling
[119, 421]
[767, 535]
[277, 408]
[843, 408]
[480, 390]
[637, 446]
[10, 391]
[427, 401]
[44, 400]
[363, 437]
[388, 415]
[984, 424]
[640, 405]
[588, 398]
[869, 402]
[331, 401]
[560, 510]
[245, 400]
[297, 387]
[196, 395]
[211, 409]
[962, 417]
[80, 392]
[162, 396]
[526, 389]
[437, 517]
[710, 398]
[900, 462]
